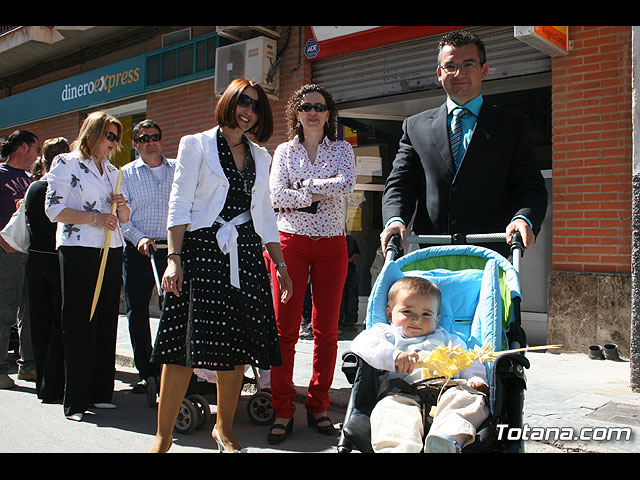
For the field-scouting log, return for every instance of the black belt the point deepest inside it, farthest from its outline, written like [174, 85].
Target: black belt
[159, 244]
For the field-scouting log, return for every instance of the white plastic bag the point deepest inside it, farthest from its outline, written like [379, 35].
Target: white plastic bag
[16, 232]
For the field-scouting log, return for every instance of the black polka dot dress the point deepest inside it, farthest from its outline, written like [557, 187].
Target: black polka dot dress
[213, 325]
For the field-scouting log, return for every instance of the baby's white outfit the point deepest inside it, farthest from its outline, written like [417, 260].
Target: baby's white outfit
[396, 420]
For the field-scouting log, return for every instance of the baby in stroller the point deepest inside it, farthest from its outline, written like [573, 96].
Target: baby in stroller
[397, 420]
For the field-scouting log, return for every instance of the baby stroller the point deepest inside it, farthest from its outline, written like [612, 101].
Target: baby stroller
[195, 410]
[480, 303]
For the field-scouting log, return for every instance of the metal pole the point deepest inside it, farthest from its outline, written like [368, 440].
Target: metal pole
[635, 217]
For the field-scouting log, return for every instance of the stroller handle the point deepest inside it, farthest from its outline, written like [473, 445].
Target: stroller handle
[457, 238]
[393, 247]
[517, 245]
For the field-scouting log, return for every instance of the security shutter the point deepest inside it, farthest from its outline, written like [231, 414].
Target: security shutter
[411, 66]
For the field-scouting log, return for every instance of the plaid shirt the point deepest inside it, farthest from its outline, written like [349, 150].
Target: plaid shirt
[148, 197]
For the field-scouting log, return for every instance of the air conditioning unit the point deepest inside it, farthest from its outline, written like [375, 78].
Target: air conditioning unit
[251, 59]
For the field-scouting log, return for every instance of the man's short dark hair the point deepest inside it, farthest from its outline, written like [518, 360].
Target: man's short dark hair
[460, 38]
[144, 124]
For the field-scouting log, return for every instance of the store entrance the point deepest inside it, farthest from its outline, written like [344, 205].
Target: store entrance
[375, 143]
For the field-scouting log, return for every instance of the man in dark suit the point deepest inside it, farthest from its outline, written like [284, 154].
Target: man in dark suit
[492, 184]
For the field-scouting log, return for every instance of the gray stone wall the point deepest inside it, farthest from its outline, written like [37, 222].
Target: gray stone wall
[589, 309]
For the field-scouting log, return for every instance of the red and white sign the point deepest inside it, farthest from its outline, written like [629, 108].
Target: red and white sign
[330, 41]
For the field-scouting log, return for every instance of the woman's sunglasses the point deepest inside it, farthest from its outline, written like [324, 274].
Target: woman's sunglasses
[246, 101]
[144, 138]
[318, 107]
[112, 137]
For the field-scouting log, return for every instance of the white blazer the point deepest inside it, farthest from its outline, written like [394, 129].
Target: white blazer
[200, 187]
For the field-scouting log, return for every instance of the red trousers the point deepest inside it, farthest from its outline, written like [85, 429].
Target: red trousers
[325, 262]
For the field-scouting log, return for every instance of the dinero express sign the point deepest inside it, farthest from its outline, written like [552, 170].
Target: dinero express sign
[103, 85]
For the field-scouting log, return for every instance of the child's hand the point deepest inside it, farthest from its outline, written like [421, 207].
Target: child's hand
[480, 386]
[405, 362]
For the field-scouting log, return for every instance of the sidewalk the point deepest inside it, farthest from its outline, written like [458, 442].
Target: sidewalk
[567, 395]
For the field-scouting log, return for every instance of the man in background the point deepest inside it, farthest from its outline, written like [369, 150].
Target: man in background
[146, 184]
[20, 151]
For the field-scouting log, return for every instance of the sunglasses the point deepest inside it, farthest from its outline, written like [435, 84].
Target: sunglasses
[144, 138]
[318, 107]
[112, 137]
[246, 101]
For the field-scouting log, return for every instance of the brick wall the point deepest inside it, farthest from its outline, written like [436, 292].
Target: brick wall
[182, 110]
[63, 126]
[592, 152]
[295, 71]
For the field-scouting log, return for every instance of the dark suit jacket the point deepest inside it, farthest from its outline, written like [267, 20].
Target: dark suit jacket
[498, 178]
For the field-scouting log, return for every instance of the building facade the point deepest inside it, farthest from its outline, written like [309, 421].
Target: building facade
[576, 279]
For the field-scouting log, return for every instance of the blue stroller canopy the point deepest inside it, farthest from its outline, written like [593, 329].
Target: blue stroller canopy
[478, 286]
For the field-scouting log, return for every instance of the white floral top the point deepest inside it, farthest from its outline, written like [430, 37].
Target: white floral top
[75, 182]
[332, 173]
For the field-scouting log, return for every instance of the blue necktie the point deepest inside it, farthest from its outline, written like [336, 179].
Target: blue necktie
[455, 135]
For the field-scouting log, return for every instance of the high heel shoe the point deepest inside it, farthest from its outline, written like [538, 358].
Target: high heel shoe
[274, 438]
[221, 447]
[323, 429]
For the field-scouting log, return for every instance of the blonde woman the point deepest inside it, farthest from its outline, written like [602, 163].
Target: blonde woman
[80, 192]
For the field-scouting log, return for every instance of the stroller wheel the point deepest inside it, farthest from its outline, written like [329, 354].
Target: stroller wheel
[203, 408]
[152, 391]
[187, 419]
[259, 408]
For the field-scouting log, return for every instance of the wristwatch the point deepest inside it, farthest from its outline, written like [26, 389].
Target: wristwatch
[297, 185]
[282, 264]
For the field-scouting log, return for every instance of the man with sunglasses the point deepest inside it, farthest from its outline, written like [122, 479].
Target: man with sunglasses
[146, 184]
[488, 180]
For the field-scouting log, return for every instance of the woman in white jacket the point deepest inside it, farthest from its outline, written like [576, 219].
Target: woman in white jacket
[218, 312]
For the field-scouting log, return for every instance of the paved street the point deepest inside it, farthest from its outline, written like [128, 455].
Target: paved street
[563, 391]
[28, 426]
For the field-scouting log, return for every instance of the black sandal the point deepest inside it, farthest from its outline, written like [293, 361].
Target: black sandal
[323, 429]
[274, 438]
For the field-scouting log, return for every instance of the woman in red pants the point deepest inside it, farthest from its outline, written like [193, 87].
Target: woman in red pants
[310, 176]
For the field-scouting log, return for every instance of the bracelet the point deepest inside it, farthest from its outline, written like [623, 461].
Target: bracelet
[95, 218]
[172, 254]
[282, 264]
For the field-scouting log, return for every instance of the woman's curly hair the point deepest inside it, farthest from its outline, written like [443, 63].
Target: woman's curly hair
[293, 125]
